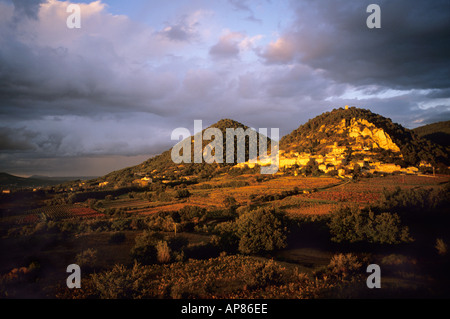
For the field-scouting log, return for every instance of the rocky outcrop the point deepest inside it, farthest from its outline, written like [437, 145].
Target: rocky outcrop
[362, 129]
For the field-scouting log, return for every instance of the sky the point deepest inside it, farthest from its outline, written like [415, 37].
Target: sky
[86, 101]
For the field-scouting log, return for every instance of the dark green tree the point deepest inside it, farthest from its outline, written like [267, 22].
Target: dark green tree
[261, 230]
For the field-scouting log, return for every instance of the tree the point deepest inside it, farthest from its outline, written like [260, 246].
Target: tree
[230, 203]
[182, 193]
[145, 251]
[345, 224]
[87, 258]
[356, 170]
[261, 230]
[352, 224]
[311, 168]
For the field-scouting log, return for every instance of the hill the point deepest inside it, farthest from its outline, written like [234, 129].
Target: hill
[163, 167]
[438, 133]
[335, 141]
[12, 181]
[361, 133]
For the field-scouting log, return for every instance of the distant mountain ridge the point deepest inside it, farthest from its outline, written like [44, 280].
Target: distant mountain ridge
[9, 180]
[438, 133]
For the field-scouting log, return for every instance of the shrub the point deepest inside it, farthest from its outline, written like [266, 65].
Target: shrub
[441, 247]
[344, 265]
[137, 223]
[121, 224]
[163, 252]
[161, 223]
[226, 238]
[164, 197]
[263, 274]
[346, 224]
[261, 230]
[189, 213]
[353, 224]
[396, 260]
[86, 258]
[230, 202]
[121, 282]
[182, 193]
[144, 250]
[386, 229]
[416, 202]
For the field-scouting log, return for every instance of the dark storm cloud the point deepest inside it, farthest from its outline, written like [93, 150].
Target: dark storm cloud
[411, 50]
[439, 94]
[14, 139]
[53, 81]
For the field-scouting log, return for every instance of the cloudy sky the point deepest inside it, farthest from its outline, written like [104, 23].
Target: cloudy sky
[87, 101]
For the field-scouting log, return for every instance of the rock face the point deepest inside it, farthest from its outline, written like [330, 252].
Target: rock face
[361, 133]
[361, 129]
[363, 136]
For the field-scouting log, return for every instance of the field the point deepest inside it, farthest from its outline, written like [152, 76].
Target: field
[199, 229]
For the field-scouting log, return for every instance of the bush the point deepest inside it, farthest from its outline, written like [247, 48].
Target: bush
[352, 224]
[263, 274]
[182, 193]
[441, 247]
[261, 230]
[163, 252]
[121, 224]
[86, 258]
[344, 265]
[386, 229]
[416, 203]
[190, 213]
[137, 223]
[144, 251]
[230, 203]
[121, 282]
[161, 223]
[226, 238]
[164, 197]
